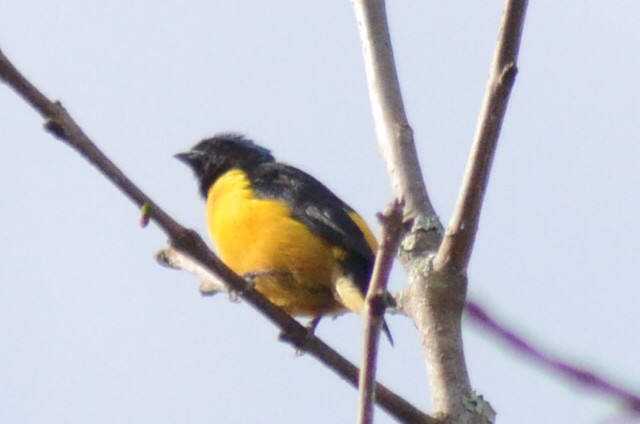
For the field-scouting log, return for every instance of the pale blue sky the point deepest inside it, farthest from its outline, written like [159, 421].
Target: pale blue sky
[93, 331]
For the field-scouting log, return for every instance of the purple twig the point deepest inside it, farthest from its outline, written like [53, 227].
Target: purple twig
[582, 376]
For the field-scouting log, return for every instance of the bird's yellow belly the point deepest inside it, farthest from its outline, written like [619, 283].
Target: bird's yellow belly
[258, 238]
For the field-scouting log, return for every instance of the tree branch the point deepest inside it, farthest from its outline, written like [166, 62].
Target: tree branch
[431, 301]
[435, 295]
[455, 251]
[395, 136]
[60, 124]
[175, 259]
[582, 376]
[375, 305]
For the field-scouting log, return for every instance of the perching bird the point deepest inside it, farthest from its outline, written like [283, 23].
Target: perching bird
[305, 249]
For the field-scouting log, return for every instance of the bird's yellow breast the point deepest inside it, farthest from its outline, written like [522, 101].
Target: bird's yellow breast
[291, 265]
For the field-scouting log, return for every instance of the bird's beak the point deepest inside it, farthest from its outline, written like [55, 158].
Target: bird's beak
[187, 157]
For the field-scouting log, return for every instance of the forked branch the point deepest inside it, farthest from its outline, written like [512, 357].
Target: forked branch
[436, 292]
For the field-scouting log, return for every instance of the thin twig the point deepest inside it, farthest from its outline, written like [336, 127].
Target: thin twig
[375, 304]
[455, 251]
[60, 124]
[175, 259]
[582, 376]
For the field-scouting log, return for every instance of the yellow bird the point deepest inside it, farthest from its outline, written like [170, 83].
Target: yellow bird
[305, 249]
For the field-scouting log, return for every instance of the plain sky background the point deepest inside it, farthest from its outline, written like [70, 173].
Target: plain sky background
[93, 331]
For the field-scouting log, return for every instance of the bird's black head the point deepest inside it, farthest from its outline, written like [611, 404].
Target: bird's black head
[214, 156]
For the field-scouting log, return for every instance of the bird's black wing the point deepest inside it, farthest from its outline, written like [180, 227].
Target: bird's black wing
[319, 209]
[323, 212]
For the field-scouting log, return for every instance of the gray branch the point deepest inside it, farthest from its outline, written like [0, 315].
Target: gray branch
[435, 294]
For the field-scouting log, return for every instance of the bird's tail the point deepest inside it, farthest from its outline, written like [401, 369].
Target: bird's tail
[387, 332]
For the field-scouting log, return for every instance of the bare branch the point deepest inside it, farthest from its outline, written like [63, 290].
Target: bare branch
[435, 295]
[175, 259]
[376, 303]
[455, 251]
[62, 126]
[395, 136]
[582, 376]
[434, 307]
[433, 303]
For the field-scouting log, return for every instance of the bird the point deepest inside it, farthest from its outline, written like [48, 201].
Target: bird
[298, 243]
